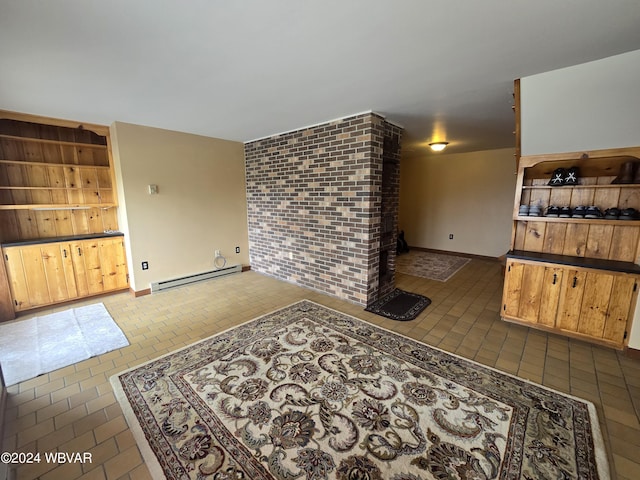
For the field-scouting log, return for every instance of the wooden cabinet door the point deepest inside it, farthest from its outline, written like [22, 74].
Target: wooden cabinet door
[7, 309]
[532, 292]
[91, 254]
[606, 306]
[113, 263]
[512, 288]
[550, 295]
[17, 278]
[79, 268]
[58, 271]
[571, 300]
[595, 304]
[619, 311]
[35, 276]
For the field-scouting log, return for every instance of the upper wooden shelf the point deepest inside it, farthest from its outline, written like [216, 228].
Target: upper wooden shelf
[50, 164]
[610, 185]
[52, 142]
[592, 221]
[60, 206]
[598, 163]
[9, 187]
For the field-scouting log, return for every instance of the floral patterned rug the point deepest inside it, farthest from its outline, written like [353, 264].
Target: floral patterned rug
[310, 393]
[434, 266]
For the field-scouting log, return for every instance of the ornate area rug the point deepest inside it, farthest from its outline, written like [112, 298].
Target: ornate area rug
[310, 393]
[400, 305]
[434, 266]
[38, 345]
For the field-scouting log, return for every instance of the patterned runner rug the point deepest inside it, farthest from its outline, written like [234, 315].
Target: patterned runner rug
[435, 266]
[307, 392]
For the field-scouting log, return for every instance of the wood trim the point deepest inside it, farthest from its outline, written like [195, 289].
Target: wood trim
[26, 117]
[246, 268]
[69, 302]
[47, 164]
[563, 332]
[516, 110]
[58, 206]
[54, 142]
[7, 311]
[624, 154]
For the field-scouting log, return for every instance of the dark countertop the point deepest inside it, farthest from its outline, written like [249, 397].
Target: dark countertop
[69, 238]
[597, 263]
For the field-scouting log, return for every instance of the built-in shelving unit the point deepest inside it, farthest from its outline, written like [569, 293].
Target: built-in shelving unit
[575, 276]
[57, 213]
[55, 180]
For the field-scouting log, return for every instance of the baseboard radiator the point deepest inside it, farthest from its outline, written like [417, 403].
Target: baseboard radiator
[176, 282]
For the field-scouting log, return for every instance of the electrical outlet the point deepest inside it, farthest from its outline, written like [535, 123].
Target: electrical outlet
[145, 265]
[237, 249]
[451, 236]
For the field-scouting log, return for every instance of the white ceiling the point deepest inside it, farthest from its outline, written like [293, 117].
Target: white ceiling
[246, 69]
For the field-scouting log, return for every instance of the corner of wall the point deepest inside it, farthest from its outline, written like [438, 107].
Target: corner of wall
[314, 206]
[123, 221]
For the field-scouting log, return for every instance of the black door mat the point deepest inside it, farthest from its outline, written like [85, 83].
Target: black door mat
[399, 305]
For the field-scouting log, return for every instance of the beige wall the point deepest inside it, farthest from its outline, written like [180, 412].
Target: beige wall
[201, 205]
[470, 195]
[590, 106]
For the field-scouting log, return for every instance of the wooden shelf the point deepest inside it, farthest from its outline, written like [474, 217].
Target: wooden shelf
[55, 188]
[58, 206]
[573, 261]
[52, 142]
[578, 187]
[48, 164]
[597, 221]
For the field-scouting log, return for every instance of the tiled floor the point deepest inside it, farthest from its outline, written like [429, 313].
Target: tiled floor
[74, 409]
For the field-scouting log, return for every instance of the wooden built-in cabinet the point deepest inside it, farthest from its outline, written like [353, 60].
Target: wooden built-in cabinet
[575, 276]
[57, 189]
[585, 303]
[48, 273]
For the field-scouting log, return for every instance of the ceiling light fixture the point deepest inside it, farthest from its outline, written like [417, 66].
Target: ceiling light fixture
[438, 146]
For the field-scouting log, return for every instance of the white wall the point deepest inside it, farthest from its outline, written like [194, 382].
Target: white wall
[201, 205]
[470, 195]
[590, 106]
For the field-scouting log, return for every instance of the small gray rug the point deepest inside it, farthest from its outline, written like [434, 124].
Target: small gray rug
[38, 345]
[434, 266]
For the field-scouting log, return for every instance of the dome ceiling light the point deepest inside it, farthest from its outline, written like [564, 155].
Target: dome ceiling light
[438, 146]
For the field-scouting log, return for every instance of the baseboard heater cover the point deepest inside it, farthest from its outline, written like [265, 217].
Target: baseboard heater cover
[176, 282]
